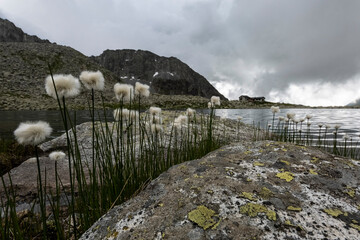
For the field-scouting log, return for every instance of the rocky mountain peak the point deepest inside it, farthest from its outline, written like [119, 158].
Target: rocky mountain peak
[10, 33]
[165, 75]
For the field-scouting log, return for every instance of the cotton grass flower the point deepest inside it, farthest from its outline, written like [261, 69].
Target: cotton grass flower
[32, 133]
[124, 92]
[156, 128]
[190, 112]
[66, 86]
[215, 100]
[155, 111]
[337, 127]
[156, 119]
[210, 105]
[142, 90]
[92, 80]
[308, 116]
[239, 118]
[275, 109]
[57, 155]
[290, 115]
[125, 114]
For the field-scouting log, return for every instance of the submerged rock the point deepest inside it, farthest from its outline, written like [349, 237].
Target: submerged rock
[246, 190]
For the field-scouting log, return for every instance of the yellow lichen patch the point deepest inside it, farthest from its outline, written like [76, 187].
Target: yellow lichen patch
[260, 151]
[268, 144]
[210, 191]
[351, 192]
[286, 162]
[295, 209]
[247, 152]
[356, 226]
[216, 225]
[252, 209]
[202, 216]
[314, 160]
[258, 164]
[312, 171]
[160, 204]
[354, 221]
[288, 223]
[197, 176]
[266, 193]
[284, 149]
[346, 214]
[358, 207]
[183, 167]
[287, 176]
[271, 215]
[187, 179]
[303, 148]
[248, 180]
[333, 212]
[248, 195]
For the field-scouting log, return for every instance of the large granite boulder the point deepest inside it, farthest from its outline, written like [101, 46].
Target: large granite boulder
[246, 190]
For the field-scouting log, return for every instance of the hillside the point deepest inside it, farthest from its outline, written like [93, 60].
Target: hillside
[24, 67]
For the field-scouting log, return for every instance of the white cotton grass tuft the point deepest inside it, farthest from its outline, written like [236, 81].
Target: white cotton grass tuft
[308, 116]
[155, 111]
[239, 118]
[66, 86]
[156, 119]
[181, 121]
[275, 109]
[290, 115]
[57, 155]
[32, 133]
[156, 128]
[215, 100]
[190, 112]
[142, 90]
[210, 105]
[92, 80]
[124, 92]
[281, 118]
[125, 114]
[346, 137]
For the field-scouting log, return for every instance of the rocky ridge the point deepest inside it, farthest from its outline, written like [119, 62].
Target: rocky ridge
[165, 75]
[10, 33]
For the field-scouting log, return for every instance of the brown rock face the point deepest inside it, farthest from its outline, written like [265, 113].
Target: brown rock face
[246, 190]
[10, 33]
[165, 75]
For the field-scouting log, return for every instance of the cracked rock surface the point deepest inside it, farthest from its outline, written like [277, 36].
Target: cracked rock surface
[246, 190]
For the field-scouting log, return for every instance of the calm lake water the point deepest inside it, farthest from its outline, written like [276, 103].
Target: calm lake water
[349, 119]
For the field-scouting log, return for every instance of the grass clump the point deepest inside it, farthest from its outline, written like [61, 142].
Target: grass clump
[126, 153]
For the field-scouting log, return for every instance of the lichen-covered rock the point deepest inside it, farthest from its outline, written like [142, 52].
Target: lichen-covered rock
[226, 196]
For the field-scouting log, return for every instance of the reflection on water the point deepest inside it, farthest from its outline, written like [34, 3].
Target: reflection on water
[347, 118]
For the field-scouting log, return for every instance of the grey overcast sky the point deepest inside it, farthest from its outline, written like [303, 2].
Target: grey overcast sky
[298, 51]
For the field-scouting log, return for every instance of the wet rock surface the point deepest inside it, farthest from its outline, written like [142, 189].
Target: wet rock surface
[246, 190]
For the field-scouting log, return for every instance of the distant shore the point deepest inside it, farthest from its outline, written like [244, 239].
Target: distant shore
[43, 102]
